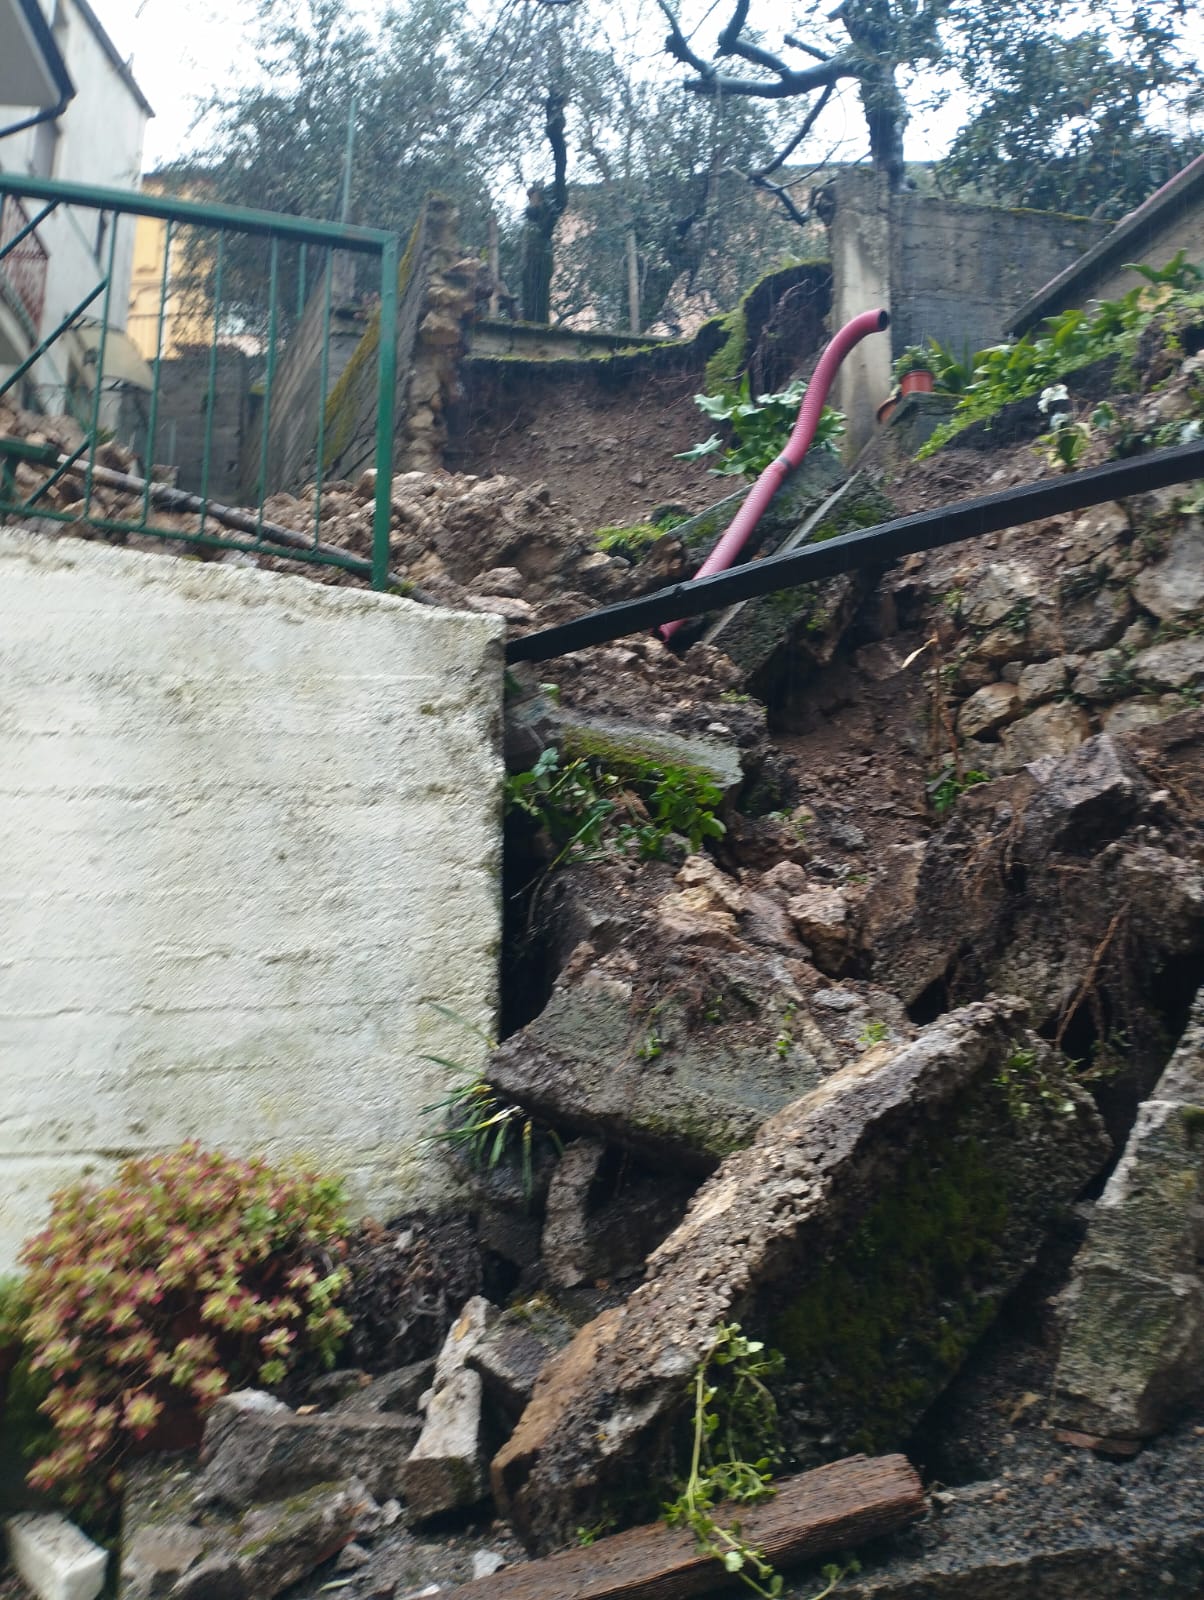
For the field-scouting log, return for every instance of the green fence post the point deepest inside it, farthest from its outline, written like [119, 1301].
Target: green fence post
[387, 388]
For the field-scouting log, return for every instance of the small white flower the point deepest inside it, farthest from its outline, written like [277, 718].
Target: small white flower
[1050, 396]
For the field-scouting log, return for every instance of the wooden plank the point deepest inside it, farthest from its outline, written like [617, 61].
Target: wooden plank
[832, 1508]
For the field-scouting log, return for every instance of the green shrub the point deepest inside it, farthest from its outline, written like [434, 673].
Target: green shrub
[153, 1294]
[760, 428]
[1075, 338]
[589, 811]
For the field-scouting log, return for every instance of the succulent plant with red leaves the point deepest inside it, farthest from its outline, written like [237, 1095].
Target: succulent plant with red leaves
[150, 1296]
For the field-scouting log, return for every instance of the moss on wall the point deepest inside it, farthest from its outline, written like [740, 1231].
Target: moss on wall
[884, 1326]
[343, 414]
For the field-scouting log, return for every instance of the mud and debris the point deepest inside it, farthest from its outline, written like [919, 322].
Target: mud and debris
[841, 1007]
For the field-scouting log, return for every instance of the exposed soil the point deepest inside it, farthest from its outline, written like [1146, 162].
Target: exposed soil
[605, 448]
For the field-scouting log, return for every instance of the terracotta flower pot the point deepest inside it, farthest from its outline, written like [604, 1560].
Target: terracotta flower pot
[916, 383]
[885, 411]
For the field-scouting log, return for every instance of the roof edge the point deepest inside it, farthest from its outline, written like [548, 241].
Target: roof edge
[48, 45]
[115, 58]
[1047, 299]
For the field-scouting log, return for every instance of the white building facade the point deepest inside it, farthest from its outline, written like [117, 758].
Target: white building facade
[97, 139]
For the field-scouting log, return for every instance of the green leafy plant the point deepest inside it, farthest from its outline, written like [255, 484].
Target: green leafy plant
[760, 428]
[151, 1295]
[874, 1032]
[652, 1047]
[1043, 358]
[914, 358]
[14, 1311]
[589, 811]
[732, 1406]
[945, 789]
[1022, 1081]
[573, 802]
[951, 373]
[487, 1130]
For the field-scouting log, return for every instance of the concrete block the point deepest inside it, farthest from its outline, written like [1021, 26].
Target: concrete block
[54, 1558]
[259, 830]
[447, 1469]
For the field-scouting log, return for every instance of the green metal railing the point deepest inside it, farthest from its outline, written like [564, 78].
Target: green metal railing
[300, 258]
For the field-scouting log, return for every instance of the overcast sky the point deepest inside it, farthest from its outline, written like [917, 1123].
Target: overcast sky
[182, 49]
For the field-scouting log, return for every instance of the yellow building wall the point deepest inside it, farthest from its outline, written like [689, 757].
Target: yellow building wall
[181, 326]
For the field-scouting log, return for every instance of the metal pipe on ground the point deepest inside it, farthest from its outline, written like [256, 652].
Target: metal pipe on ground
[871, 547]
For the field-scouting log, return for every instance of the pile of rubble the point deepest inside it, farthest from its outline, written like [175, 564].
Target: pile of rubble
[904, 1074]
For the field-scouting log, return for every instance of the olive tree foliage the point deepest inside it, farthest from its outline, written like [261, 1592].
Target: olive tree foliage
[662, 196]
[868, 43]
[280, 143]
[527, 109]
[1088, 119]
[1083, 105]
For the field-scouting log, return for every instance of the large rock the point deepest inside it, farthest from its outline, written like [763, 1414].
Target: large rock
[170, 1552]
[256, 1449]
[870, 1231]
[1174, 589]
[1077, 884]
[1050, 730]
[1133, 1350]
[1178, 664]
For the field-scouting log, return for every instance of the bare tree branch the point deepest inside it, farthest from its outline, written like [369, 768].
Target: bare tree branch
[807, 49]
[809, 122]
[777, 191]
[678, 46]
[730, 35]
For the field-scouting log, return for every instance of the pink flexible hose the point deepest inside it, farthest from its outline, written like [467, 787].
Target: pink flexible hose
[736, 535]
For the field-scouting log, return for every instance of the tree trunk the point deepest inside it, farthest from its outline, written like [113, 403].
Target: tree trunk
[886, 117]
[633, 282]
[543, 212]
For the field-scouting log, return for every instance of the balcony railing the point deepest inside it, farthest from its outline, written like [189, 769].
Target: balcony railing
[23, 266]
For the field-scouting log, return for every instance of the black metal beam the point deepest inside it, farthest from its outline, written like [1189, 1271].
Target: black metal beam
[871, 547]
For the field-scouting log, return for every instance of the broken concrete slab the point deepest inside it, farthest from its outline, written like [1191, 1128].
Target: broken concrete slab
[628, 746]
[476, 1318]
[391, 1391]
[170, 1551]
[603, 1217]
[668, 1032]
[515, 1351]
[252, 1452]
[943, 1157]
[54, 1558]
[447, 1468]
[1058, 1526]
[1133, 1348]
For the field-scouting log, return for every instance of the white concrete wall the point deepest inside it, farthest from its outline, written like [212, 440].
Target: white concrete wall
[249, 825]
[101, 135]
